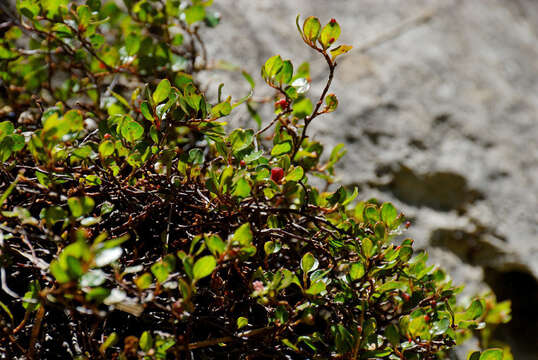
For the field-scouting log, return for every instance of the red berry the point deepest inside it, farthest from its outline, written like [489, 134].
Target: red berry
[277, 174]
[282, 103]
[405, 297]
[426, 318]
[107, 136]
[102, 65]
[242, 163]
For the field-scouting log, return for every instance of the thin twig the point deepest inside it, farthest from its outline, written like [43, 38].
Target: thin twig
[225, 339]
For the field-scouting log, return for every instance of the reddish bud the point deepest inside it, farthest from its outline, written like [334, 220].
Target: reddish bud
[333, 21]
[242, 163]
[427, 318]
[277, 174]
[407, 224]
[405, 297]
[102, 65]
[331, 40]
[433, 303]
[398, 247]
[107, 136]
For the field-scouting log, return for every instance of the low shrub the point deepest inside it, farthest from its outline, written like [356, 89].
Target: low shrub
[134, 225]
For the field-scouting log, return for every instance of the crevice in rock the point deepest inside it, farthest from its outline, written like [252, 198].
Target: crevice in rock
[375, 136]
[417, 144]
[522, 289]
[442, 191]
[470, 247]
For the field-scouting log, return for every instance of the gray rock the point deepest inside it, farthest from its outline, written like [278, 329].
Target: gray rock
[442, 120]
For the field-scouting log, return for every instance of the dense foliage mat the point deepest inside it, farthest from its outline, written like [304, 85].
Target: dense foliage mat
[135, 225]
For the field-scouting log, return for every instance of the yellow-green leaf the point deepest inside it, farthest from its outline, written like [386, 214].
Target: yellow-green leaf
[329, 34]
[342, 49]
[311, 28]
[162, 91]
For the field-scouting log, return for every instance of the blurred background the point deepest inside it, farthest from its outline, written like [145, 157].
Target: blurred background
[439, 114]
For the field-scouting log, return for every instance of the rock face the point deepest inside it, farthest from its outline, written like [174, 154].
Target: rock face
[442, 120]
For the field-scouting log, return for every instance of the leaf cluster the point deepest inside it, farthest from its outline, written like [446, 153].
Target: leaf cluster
[136, 225]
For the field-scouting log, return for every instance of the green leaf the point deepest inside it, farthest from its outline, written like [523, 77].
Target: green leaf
[371, 214]
[146, 341]
[269, 247]
[145, 109]
[74, 119]
[194, 14]
[54, 214]
[285, 73]
[80, 206]
[84, 15]
[379, 231]
[253, 156]
[97, 40]
[356, 271]
[58, 272]
[241, 139]
[215, 244]
[473, 355]
[131, 130]
[30, 301]
[212, 18]
[295, 174]
[316, 288]
[144, 281]
[28, 8]
[94, 5]
[249, 79]
[392, 335]
[196, 156]
[329, 34]
[132, 44]
[242, 188]
[162, 91]
[282, 148]
[388, 214]
[311, 29]
[475, 310]
[331, 103]
[106, 148]
[243, 235]
[161, 271]
[391, 285]
[222, 109]
[6, 309]
[368, 247]
[111, 340]
[342, 49]
[309, 263]
[492, 354]
[6, 128]
[302, 107]
[204, 267]
[241, 322]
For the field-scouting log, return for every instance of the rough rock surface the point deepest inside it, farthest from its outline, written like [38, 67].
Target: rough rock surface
[442, 120]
